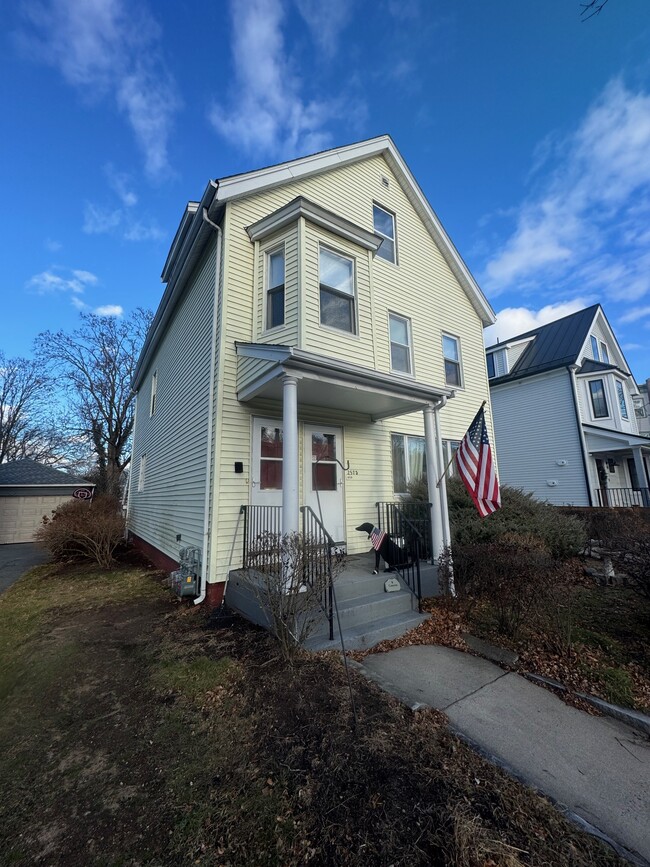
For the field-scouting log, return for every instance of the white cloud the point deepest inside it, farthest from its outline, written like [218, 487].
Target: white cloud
[326, 20]
[109, 310]
[587, 225]
[629, 347]
[99, 221]
[120, 183]
[52, 245]
[106, 48]
[139, 231]
[267, 113]
[635, 314]
[48, 282]
[512, 321]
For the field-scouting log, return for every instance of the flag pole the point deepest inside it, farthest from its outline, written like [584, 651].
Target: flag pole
[444, 472]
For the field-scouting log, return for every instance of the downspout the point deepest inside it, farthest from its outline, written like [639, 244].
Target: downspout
[127, 505]
[213, 365]
[583, 443]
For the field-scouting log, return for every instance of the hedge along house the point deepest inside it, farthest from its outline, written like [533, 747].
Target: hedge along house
[28, 491]
[316, 324]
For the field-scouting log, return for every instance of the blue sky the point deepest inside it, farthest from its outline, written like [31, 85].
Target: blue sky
[527, 128]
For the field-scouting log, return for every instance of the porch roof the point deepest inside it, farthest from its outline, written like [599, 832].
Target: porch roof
[607, 440]
[329, 382]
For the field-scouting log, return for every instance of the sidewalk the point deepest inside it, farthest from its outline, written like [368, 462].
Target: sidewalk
[597, 767]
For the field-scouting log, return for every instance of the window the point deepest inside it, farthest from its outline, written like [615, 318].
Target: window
[337, 291]
[384, 223]
[598, 401]
[400, 343]
[271, 459]
[604, 354]
[275, 289]
[409, 461]
[594, 348]
[497, 363]
[634, 476]
[449, 449]
[451, 353]
[324, 463]
[154, 389]
[639, 408]
[620, 393]
[141, 472]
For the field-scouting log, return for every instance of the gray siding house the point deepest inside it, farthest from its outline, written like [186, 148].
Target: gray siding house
[565, 406]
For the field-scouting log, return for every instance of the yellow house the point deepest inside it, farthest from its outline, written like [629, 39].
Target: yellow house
[319, 345]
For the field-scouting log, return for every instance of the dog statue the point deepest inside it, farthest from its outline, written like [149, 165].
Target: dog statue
[392, 555]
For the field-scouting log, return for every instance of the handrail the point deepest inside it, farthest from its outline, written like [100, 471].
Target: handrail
[397, 524]
[320, 524]
[402, 514]
[623, 497]
[314, 566]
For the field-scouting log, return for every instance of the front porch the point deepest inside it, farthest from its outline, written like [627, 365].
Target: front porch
[620, 468]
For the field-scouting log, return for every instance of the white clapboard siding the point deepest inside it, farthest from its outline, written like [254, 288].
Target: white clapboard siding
[535, 427]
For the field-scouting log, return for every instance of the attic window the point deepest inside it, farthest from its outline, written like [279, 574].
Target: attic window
[594, 349]
[604, 354]
[384, 181]
[497, 363]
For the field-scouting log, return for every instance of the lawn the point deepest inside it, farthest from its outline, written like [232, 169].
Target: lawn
[133, 735]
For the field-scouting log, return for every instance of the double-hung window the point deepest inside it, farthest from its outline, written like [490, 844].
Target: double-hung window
[598, 399]
[400, 343]
[337, 308]
[409, 461]
[275, 288]
[622, 403]
[384, 224]
[451, 354]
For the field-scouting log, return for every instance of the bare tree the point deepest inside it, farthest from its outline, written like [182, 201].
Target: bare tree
[24, 430]
[95, 365]
[591, 8]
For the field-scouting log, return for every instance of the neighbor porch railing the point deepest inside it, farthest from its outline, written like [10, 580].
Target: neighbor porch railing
[623, 497]
[261, 550]
[392, 518]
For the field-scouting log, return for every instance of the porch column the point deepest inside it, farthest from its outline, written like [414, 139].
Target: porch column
[433, 473]
[642, 476]
[290, 505]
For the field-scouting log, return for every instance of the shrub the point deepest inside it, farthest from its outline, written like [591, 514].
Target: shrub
[84, 531]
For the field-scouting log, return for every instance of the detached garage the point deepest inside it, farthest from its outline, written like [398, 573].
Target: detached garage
[29, 490]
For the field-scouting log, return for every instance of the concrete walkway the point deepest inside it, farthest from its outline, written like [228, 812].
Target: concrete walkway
[16, 559]
[597, 767]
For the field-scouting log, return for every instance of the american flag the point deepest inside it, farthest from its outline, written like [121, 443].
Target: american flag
[377, 537]
[474, 462]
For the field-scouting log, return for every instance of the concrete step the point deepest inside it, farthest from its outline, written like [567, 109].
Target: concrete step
[365, 610]
[363, 585]
[365, 636]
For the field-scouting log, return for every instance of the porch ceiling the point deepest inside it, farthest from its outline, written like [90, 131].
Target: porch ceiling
[601, 440]
[329, 382]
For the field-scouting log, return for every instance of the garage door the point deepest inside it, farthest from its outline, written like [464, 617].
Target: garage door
[20, 517]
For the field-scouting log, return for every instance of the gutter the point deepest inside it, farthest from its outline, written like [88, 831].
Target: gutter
[581, 434]
[213, 365]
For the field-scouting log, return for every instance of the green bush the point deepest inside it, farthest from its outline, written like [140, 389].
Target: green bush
[79, 531]
[520, 514]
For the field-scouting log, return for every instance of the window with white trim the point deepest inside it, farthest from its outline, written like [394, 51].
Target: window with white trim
[598, 399]
[141, 472]
[275, 288]
[497, 363]
[400, 343]
[594, 349]
[384, 225]
[337, 300]
[604, 354]
[449, 449]
[451, 354]
[409, 461]
[154, 391]
[622, 403]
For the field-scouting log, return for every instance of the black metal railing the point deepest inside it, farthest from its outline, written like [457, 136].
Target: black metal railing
[393, 520]
[319, 550]
[623, 497]
[262, 534]
[417, 513]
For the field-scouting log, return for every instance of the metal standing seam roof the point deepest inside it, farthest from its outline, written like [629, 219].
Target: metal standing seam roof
[552, 346]
[27, 472]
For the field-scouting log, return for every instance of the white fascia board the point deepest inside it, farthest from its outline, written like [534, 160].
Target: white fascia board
[602, 318]
[183, 226]
[302, 207]
[266, 351]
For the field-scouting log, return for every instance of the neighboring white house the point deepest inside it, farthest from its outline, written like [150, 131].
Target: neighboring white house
[563, 401]
[318, 346]
[642, 408]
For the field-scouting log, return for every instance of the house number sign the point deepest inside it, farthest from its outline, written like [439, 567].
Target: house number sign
[352, 473]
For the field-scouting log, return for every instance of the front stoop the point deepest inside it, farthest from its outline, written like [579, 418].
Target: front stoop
[367, 613]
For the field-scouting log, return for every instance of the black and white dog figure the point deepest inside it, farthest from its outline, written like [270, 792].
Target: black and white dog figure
[389, 552]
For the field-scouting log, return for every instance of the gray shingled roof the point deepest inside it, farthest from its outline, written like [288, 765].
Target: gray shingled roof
[28, 472]
[554, 345]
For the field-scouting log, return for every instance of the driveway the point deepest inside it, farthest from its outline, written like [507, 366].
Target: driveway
[15, 560]
[595, 766]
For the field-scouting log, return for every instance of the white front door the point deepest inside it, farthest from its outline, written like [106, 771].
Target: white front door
[266, 466]
[323, 477]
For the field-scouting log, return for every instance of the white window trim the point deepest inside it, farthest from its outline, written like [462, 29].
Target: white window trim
[459, 362]
[595, 349]
[505, 356]
[265, 301]
[595, 417]
[405, 438]
[617, 383]
[602, 346]
[355, 310]
[409, 331]
[141, 472]
[393, 216]
[154, 393]
[447, 453]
